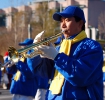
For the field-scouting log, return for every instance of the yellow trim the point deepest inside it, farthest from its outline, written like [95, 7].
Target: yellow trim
[58, 80]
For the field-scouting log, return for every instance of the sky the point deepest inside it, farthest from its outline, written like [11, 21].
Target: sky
[13, 3]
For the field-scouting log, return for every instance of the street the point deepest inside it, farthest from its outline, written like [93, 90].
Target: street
[5, 95]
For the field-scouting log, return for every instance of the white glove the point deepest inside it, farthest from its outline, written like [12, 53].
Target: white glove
[9, 64]
[39, 37]
[48, 51]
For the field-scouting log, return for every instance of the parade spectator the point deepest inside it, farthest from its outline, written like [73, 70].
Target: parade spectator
[9, 76]
[1, 63]
[77, 71]
[5, 80]
[0, 74]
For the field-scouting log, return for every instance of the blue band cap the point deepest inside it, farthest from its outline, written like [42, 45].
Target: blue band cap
[68, 12]
[26, 42]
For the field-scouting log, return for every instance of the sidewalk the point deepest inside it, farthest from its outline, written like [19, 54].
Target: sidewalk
[3, 86]
[5, 94]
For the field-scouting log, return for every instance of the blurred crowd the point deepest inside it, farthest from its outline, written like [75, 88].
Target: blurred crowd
[5, 81]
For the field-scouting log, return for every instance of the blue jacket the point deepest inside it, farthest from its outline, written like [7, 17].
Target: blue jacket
[43, 82]
[27, 84]
[103, 76]
[82, 70]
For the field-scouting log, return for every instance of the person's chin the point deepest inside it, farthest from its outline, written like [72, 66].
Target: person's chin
[66, 35]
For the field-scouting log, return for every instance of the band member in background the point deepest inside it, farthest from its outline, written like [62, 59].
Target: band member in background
[43, 83]
[77, 71]
[24, 84]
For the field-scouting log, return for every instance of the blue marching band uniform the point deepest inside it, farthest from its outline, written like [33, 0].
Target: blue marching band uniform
[24, 82]
[81, 72]
[88, 73]
[34, 67]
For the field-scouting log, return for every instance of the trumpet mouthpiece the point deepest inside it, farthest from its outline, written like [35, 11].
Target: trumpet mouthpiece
[63, 31]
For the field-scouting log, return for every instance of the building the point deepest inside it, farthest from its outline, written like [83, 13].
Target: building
[92, 10]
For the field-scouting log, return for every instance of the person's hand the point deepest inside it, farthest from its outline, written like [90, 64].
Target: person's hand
[48, 51]
[39, 37]
[10, 63]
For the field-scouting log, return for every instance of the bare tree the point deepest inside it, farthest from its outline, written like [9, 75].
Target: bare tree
[40, 20]
[19, 26]
[6, 40]
[101, 25]
[43, 20]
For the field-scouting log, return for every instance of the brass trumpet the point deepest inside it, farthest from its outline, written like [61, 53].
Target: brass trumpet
[1, 65]
[7, 64]
[14, 54]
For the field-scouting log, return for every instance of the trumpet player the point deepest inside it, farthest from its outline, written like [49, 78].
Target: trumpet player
[24, 84]
[42, 82]
[76, 71]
